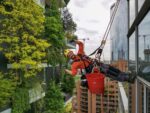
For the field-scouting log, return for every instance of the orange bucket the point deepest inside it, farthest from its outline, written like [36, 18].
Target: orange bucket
[96, 82]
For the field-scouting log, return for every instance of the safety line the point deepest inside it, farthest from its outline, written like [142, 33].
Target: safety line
[107, 31]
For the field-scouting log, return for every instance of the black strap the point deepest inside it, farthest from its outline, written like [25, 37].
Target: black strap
[83, 61]
[94, 51]
[89, 67]
[83, 58]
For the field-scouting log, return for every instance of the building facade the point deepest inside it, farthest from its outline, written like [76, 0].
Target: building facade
[118, 31]
[138, 54]
[133, 35]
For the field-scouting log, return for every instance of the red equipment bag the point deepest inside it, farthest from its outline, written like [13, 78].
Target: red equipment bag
[96, 82]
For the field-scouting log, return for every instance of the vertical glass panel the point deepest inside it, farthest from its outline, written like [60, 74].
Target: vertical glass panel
[140, 4]
[132, 64]
[144, 48]
[132, 11]
[118, 32]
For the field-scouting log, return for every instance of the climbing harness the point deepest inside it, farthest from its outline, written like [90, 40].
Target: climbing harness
[96, 79]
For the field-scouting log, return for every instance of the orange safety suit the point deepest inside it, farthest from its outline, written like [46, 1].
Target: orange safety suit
[106, 69]
[77, 62]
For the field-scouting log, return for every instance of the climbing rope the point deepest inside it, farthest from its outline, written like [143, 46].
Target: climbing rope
[99, 50]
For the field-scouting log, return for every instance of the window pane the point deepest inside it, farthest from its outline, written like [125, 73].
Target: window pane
[132, 11]
[144, 48]
[132, 64]
[118, 32]
[140, 3]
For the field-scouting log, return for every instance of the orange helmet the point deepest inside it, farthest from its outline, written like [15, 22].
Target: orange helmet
[68, 53]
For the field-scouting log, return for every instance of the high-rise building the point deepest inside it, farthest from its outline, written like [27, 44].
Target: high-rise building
[118, 31]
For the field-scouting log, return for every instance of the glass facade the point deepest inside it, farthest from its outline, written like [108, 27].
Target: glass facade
[118, 32]
[139, 55]
[138, 50]
[144, 48]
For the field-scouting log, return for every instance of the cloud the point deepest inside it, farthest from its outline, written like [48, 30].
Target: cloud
[93, 21]
[87, 30]
[91, 17]
[107, 3]
[80, 3]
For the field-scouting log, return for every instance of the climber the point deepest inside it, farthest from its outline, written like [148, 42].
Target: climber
[85, 64]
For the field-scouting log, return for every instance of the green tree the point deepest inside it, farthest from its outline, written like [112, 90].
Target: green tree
[38, 106]
[22, 43]
[54, 102]
[68, 23]
[54, 33]
[66, 1]
[7, 88]
[68, 84]
[20, 100]
[22, 23]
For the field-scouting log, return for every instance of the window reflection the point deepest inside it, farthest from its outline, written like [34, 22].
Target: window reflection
[132, 53]
[132, 11]
[144, 48]
[118, 33]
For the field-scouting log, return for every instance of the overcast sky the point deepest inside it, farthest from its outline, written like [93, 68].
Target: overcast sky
[91, 17]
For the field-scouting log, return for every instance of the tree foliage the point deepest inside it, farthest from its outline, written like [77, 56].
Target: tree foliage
[66, 1]
[54, 33]
[68, 84]
[21, 41]
[38, 106]
[7, 88]
[68, 23]
[54, 102]
[20, 101]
